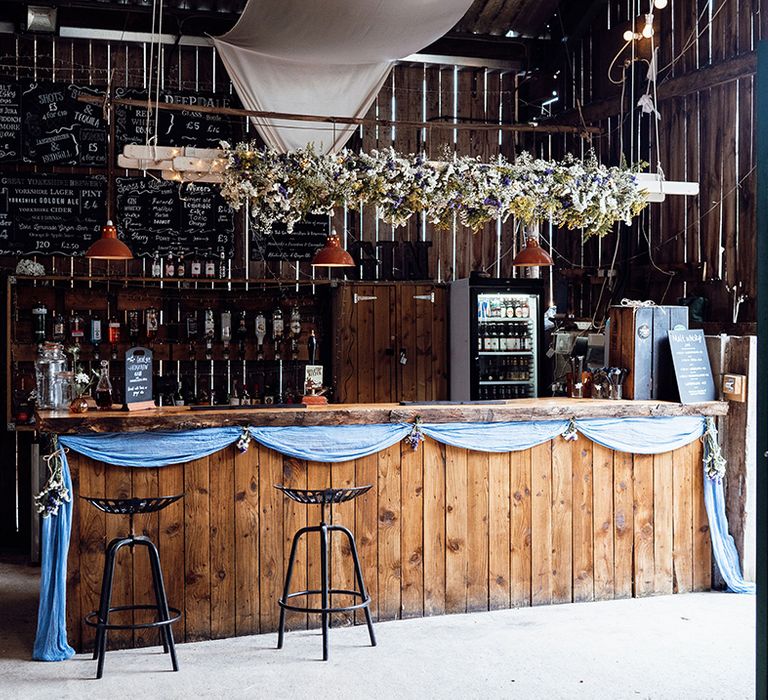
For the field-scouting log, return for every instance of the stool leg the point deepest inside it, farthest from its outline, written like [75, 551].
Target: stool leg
[106, 603]
[158, 600]
[324, 586]
[162, 602]
[360, 583]
[105, 586]
[287, 588]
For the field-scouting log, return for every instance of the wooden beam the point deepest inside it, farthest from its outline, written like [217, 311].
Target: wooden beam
[686, 84]
[458, 125]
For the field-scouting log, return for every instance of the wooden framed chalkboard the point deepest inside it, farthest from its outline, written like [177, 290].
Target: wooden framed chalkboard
[692, 368]
[302, 243]
[163, 216]
[138, 379]
[51, 213]
[174, 128]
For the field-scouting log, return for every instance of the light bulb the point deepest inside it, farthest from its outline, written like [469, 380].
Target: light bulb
[629, 35]
[648, 28]
[660, 4]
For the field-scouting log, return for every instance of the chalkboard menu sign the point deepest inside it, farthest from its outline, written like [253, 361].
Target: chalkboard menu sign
[163, 216]
[57, 129]
[302, 243]
[10, 121]
[51, 213]
[138, 379]
[43, 122]
[692, 368]
[174, 128]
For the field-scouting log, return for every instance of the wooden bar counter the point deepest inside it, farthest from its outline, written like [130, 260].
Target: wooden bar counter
[443, 529]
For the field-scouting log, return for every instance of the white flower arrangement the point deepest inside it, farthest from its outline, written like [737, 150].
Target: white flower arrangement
[574, 193]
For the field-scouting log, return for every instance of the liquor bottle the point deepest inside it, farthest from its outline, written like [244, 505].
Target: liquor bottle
[180, 269]
[151, 324]
[178, 396]
[210, 269]
[95, 335]
[312, 347]
[277, 329]
[234, 396]
[242, 333]
[226, 331]
[482, 333]
[245, 397]
[208, 332]
[40, 317]
[261, 333]
[134, 325]
[222, 265]
[170, 268]
[295, 327]
[195, 267]
[113, 333]
[525, 310]
[76, 327]
[59, 328]
[495, 339]
[103, 393]
[157, 265]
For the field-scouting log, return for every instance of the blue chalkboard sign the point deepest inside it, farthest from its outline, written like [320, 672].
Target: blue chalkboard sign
[138, 379]
[692, 368]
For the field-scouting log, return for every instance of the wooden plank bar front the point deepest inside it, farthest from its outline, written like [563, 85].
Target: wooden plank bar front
[443, 530]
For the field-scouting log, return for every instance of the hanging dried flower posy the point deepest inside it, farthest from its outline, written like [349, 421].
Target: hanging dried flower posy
[571, 433]
[54, 493]
[244, 441]
[416, 435]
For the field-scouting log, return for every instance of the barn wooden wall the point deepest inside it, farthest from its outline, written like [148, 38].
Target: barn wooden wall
[706, 101]
[443, 530]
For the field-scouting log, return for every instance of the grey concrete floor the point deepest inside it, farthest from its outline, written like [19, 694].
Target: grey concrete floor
[685, 646]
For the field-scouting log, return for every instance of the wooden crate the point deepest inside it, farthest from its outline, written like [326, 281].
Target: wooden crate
[638, 340]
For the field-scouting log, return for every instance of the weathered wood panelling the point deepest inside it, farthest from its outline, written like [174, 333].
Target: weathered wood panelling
[442, 530]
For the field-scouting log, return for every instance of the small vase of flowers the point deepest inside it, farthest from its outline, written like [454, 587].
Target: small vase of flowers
[81, 384]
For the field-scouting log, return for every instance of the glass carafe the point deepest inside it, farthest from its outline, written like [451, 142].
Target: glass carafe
[51, 361]
[103, 393]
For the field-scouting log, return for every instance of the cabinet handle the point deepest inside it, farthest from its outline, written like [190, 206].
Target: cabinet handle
[358, 298]
[425, 297]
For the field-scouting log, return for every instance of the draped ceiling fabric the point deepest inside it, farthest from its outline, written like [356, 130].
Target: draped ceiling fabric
[324, 58]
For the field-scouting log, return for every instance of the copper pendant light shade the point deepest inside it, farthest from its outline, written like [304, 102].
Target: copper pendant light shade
[109, 246]
[533, 255]
[332, 254]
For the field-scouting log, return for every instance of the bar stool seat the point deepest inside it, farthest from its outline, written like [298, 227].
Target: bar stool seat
[166, 615]
[323, 498]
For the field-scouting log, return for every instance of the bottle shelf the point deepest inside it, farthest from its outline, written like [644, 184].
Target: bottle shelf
[509, 353]
[505, 382]
[515, 319]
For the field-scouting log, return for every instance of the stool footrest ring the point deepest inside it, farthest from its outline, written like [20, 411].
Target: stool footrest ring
[92, 618]
[332, 591]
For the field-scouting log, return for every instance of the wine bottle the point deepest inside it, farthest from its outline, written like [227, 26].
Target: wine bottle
[157, 265]
[277, 329]
[226, 331]
[312, 347]
[208, 331]
[151, 324]
[95, 335]
[261, 333]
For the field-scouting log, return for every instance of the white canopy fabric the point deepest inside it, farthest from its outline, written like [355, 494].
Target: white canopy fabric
[324, 57]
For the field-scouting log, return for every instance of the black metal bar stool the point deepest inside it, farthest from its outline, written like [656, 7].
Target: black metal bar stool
[323, 497]
[100, 618]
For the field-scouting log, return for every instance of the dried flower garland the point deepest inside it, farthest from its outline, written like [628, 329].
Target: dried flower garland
[573, 193]
[571, 433]
[714, 462]
[244, 441]
[416, 436]
[54, 493]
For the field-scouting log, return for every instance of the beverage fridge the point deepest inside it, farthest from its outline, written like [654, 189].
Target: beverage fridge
[496, 339]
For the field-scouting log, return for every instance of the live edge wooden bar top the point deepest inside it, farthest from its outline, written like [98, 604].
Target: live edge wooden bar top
[183, 418]
[443, 529]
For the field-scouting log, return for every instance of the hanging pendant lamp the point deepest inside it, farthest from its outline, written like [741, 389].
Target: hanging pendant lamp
[332, 254]
[109, 246]
[533, 255]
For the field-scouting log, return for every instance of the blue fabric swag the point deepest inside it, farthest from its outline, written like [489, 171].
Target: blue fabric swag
[341, 444]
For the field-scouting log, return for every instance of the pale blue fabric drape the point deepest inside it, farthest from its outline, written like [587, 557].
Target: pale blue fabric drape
[343, 443]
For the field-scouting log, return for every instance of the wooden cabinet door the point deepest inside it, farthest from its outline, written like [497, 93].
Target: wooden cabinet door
[375, 325]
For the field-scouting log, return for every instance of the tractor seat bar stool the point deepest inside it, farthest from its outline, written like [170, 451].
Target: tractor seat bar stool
[323, 498]
[100, 618]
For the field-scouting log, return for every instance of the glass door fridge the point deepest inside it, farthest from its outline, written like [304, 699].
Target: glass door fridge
[496, 339]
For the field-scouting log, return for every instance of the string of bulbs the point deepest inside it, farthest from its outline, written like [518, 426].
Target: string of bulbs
[647, 31]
